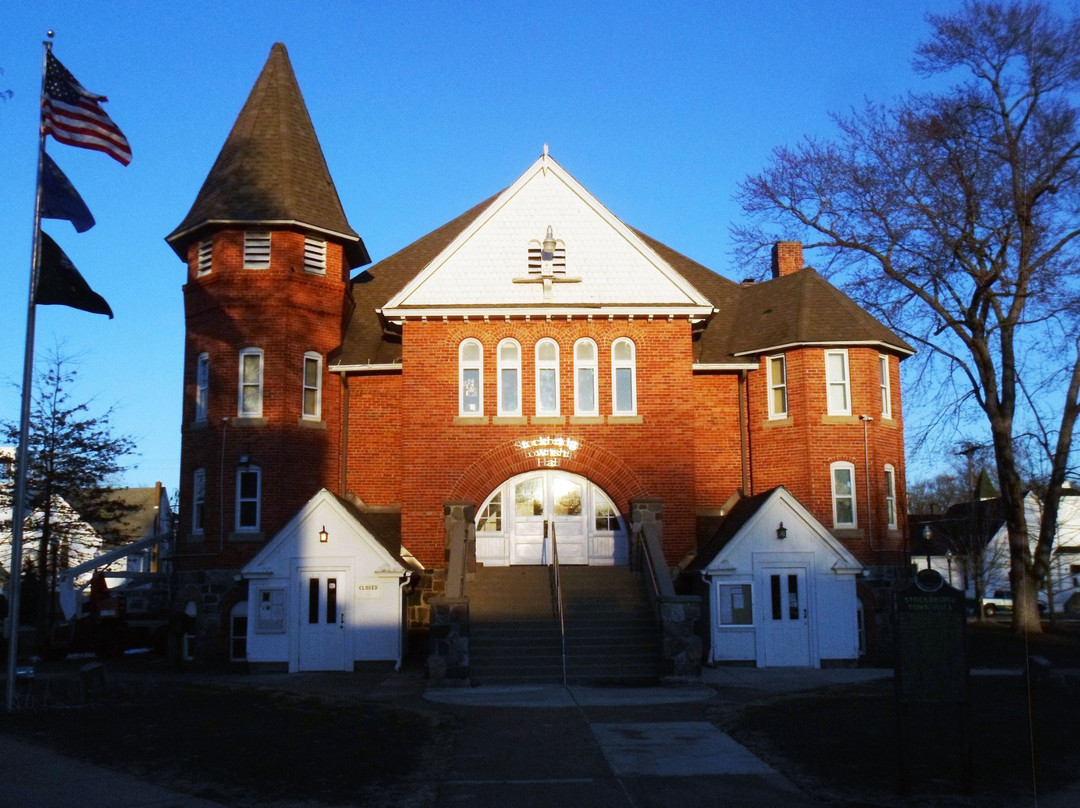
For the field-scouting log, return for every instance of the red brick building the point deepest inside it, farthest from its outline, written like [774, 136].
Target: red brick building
[536, 358]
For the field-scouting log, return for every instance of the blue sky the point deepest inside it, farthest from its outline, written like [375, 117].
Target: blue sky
[423, 109]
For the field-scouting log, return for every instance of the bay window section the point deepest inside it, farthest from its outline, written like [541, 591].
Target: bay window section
[890, 496]
[886, 387]
[312, 394]
[843, 495]
[778, 397]
[202, 386]
[251, 383]
[248, 494]
[837, 380]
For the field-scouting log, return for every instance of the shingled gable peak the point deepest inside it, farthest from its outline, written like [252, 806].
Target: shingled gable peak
[271, 170]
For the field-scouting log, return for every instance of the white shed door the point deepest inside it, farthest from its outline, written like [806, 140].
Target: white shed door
[322, 630]
[786, 627]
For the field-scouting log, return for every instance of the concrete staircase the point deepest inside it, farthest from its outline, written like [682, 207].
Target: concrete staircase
[612, 635]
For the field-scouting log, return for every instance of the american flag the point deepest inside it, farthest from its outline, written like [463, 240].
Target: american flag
[74, 116]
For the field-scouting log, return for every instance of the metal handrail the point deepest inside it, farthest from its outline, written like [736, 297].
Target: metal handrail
[642, 552]
[559, 605]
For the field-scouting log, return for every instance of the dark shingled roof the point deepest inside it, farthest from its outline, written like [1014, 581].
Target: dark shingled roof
[733, 522]
[271, 169]
[798, 309]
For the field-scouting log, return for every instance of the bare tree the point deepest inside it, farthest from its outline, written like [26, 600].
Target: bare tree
[955, 217]
[72, 456]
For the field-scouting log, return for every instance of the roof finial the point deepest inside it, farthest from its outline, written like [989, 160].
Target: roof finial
[545, 150]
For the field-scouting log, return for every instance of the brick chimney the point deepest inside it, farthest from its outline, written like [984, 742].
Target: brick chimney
[786, 258]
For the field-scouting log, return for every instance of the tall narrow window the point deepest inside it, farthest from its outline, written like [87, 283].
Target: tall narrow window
[206, 258]
[843, 494]
[202, 385]
[256, 249]
[198, 502]
[315, 256]
[624, 383]
[836, 375]
[251, 383]
[238, 622]
[470, 378]
[777, 386]
[886, 389]
[509, 369]
[547, 377]
[312, 386]
[890, 496]
[585, 396]
[248, 490]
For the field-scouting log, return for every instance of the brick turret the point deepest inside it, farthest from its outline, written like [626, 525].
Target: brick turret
[269, 253]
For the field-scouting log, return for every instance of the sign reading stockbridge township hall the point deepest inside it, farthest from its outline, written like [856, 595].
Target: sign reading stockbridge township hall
[931, 621]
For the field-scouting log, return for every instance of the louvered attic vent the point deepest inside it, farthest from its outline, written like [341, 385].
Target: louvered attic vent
[206, 254]
[315, 256]
[256, 250]
[536, 257]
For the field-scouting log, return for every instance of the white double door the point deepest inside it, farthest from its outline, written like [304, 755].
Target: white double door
[545, 505]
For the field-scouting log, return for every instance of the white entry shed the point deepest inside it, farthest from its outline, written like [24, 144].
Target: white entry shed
[780, 587]
[325, 593]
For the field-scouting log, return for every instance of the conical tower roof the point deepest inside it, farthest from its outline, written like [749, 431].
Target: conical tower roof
[271, 170]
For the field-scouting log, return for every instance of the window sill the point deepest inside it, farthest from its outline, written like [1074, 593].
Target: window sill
[246, 535]
[198, 426]
[888, 421]
[510, 420]
[848, 532]
[785, 421]
[195, 538]
[470, 420]
[625, 419]
[586, 419]
[549, 420]
[248, 421]
[311, 423]
[840, 419]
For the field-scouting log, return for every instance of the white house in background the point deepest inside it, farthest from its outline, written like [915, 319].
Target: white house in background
[341, 586]
[979, 529]
[779, 588]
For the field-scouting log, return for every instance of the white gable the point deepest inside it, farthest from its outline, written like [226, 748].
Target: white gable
[348, 541]
[607, 264]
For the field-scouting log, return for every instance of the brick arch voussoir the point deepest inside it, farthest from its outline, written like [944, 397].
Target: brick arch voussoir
[592, 461]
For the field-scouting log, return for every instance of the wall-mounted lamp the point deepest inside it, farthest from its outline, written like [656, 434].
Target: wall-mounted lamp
[323, 535]
[781, 532]
[245, 460]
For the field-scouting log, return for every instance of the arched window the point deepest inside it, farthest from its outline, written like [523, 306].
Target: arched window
[509, 370]
[585, 395]
[202, 385]
[312, 396]
[547, 377]
[251, 383]
[248, 498]
[843, 494]
[470, 378]
[623, 378]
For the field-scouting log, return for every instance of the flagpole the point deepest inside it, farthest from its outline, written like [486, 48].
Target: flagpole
[22, 453]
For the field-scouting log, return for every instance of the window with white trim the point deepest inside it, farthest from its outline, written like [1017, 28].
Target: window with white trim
[623, 377]
[256, 249]
[314, 255]
[886, 387]
[202, 385]
[547, 377]
[777, 366]
[509, 377]
[198, 502]
[890, 496]
[470, 378]
[312, 401]
[836, 378]
[251, 383]
[843, 494]
[585, 378]
[248, 498]
[490, 519]
[735, 604]
[205, 260]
